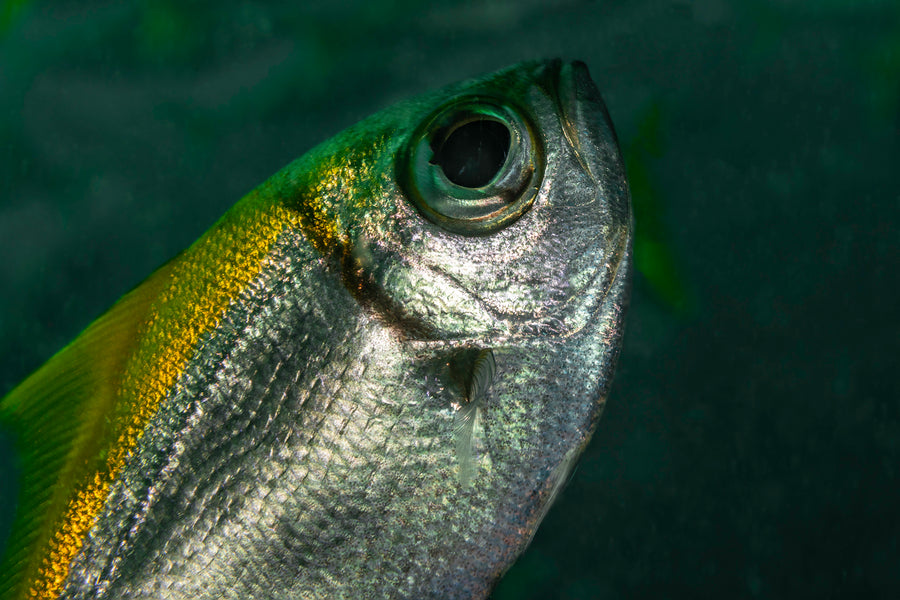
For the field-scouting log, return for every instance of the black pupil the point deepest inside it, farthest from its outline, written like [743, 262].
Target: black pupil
[473, 153]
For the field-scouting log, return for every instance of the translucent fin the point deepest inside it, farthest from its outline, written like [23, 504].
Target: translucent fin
[482, 375]
[57, 419]
[464, 432]
[467, 429]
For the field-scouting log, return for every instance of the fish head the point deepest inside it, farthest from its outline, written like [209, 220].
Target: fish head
[491, 215]
[528, 254]
[493, 208]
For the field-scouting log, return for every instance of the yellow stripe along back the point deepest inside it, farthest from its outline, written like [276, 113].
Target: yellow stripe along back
[201, 284]
[92, 401]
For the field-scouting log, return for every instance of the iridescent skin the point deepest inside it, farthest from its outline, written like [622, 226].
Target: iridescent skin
[276, 412]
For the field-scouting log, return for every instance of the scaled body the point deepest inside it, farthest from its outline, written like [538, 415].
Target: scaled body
[369, 379]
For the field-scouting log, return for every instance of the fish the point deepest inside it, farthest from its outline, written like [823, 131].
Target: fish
[369, 379]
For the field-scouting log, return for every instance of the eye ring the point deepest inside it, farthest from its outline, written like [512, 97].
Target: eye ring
[474, 166]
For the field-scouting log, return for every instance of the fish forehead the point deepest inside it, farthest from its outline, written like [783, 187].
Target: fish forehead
[301, 441]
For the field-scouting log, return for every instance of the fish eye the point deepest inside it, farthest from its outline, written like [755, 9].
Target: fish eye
[474, 166]
[473, 152]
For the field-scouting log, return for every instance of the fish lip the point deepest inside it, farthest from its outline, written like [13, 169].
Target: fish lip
[569, 99]
[588, 129]
[581, 109]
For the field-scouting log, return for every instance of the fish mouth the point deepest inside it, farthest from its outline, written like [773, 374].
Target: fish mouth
[589, 131]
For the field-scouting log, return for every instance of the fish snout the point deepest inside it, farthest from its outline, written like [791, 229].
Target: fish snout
[589, 131]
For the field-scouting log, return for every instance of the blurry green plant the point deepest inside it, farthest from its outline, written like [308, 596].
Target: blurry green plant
[10, 11]
[653, 254]
[168, 32]
[882, 65]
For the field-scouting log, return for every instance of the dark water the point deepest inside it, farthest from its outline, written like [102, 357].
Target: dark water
[751, 443]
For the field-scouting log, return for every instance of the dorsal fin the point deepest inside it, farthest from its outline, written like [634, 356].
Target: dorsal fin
[75, 421]
[57, 419]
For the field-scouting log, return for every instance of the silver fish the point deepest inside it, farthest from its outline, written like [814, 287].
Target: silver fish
[370, 379]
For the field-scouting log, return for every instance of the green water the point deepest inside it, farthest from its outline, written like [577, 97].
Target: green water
[751, 444]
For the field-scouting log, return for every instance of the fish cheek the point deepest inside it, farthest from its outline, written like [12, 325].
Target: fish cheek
[364, 275]
[418, 301]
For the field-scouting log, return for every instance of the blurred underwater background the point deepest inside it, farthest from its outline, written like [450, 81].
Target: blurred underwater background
[751, 443]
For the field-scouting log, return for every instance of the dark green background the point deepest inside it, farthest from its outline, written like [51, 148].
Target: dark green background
[751, 442]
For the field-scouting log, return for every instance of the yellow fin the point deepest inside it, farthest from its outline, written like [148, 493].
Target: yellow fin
[57, 419]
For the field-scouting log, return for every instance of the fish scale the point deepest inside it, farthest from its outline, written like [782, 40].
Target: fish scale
[365, 381]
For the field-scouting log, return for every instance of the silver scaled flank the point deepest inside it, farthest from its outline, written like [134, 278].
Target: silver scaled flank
[393, 419]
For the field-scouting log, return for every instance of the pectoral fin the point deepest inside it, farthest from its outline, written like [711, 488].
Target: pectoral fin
[468, 429]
